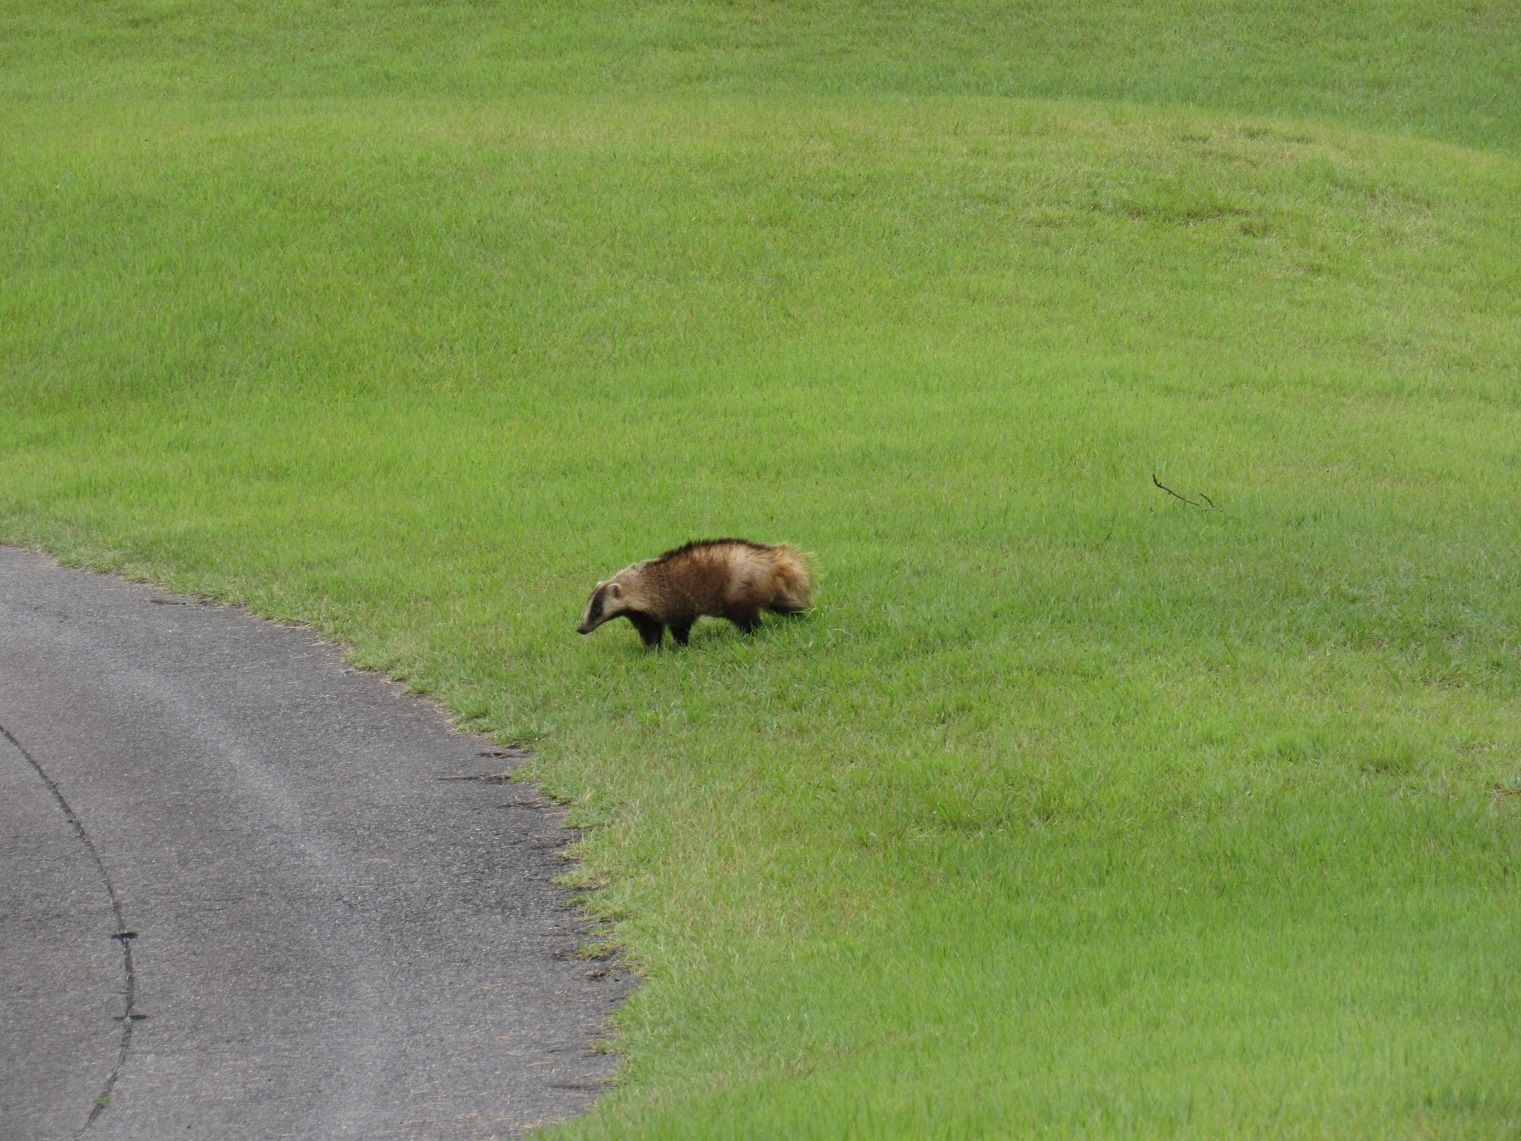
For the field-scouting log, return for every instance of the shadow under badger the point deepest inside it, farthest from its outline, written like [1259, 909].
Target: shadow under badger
[720, 578]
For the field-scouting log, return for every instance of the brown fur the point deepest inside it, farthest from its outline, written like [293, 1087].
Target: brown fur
[718, 578]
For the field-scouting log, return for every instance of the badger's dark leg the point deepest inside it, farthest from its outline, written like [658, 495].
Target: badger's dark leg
[680, 631]
[747, 618]
[650, 629]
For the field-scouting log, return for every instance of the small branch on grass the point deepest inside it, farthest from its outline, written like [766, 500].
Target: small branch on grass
[1109, 534]
[1207, 505]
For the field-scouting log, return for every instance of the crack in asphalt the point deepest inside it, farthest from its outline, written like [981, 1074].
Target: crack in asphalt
[129, 1016]
[341, 947]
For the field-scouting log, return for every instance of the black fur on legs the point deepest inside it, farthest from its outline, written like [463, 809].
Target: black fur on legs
[680, 631]
[747, 618]
[652, 630]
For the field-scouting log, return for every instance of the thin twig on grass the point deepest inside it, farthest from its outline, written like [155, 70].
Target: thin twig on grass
[1207, 505]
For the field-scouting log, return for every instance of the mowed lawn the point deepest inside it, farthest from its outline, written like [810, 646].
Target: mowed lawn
[1073, 808]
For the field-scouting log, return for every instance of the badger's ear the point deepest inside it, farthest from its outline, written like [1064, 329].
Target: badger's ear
[615, 590]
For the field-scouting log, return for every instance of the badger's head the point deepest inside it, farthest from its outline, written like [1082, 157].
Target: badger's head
[606, 602]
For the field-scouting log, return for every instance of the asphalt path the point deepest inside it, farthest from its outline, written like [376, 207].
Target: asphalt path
[247, 891]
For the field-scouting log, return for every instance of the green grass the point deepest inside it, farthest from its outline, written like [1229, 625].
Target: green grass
[1072, 809]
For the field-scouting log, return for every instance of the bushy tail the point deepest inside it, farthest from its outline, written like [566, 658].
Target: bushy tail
[794, 581]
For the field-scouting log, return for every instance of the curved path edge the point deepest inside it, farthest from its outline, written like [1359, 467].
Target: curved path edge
[245, 893]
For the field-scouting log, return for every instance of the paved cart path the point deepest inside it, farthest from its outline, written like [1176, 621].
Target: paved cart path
[237, 900]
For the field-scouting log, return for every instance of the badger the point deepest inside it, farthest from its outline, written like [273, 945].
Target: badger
[722, 578]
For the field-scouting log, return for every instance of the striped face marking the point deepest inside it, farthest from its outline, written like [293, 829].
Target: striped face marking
[601, 606]
[593, 616]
